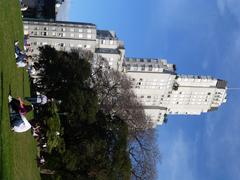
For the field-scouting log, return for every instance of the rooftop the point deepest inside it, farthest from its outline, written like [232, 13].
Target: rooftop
[57, 22]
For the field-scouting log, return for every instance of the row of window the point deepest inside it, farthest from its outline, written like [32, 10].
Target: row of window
[163, 62]
[151, 80]
[157, 103]
[144, 67]
[153, 83]
[62, 29]
[87, 46]
[110, 42]
[175, 100]
[72, 35]
[151, 87]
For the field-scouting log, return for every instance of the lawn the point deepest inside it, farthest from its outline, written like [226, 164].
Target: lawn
[17, 151]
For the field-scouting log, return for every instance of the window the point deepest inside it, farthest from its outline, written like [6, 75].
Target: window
[80, 35]
[61, 34]
[142, 96]
[89, 31]
[209, 93]
[80, 30]
[111, 42]
[54, 33]
[89, 36]
[72, 29]
[135, 67]
[87, 46]
[143, 67]
[148, 97]
[72, 35]
[150, 67]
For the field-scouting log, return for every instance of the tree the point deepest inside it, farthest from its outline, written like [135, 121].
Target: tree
[117, 98]
[95, 140]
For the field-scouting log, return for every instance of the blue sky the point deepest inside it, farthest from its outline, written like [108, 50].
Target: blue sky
[200, 37]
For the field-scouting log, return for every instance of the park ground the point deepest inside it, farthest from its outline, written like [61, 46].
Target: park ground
[17, 151]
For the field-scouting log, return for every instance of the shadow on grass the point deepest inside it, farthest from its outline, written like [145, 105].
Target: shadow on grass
[23, 82]
[1, 117]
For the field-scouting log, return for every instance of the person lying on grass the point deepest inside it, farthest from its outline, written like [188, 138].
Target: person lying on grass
[18, 121]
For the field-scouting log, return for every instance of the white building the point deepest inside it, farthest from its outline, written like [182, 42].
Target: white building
[163, 92]
[155, 82]
[68, 35]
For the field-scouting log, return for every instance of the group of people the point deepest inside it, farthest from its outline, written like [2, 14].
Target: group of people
[18, 110]
[24, 57]
[19, 122]
[23, 6]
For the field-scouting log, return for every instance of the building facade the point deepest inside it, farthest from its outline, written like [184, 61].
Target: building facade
[163, 92]
[69, 35]
[155, 82]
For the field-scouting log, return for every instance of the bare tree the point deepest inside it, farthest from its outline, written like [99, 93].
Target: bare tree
[117, 97]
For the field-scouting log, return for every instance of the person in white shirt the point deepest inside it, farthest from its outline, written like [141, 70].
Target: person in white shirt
[39, 99]
[21, 124]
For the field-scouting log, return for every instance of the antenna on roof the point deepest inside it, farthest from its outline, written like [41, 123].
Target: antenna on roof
[233, 88]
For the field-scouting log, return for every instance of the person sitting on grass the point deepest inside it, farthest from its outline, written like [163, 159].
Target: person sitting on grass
[36, 131]
[23, 6]
[19, 122]
[21, 57]
[19, 106]
[39, 99]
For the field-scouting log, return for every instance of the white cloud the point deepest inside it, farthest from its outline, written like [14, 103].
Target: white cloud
[63, 11]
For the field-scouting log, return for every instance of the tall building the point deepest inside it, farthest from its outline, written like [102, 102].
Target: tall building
[155, 82]
[163, 92]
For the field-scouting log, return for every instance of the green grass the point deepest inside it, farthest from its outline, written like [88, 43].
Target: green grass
[17, 151]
